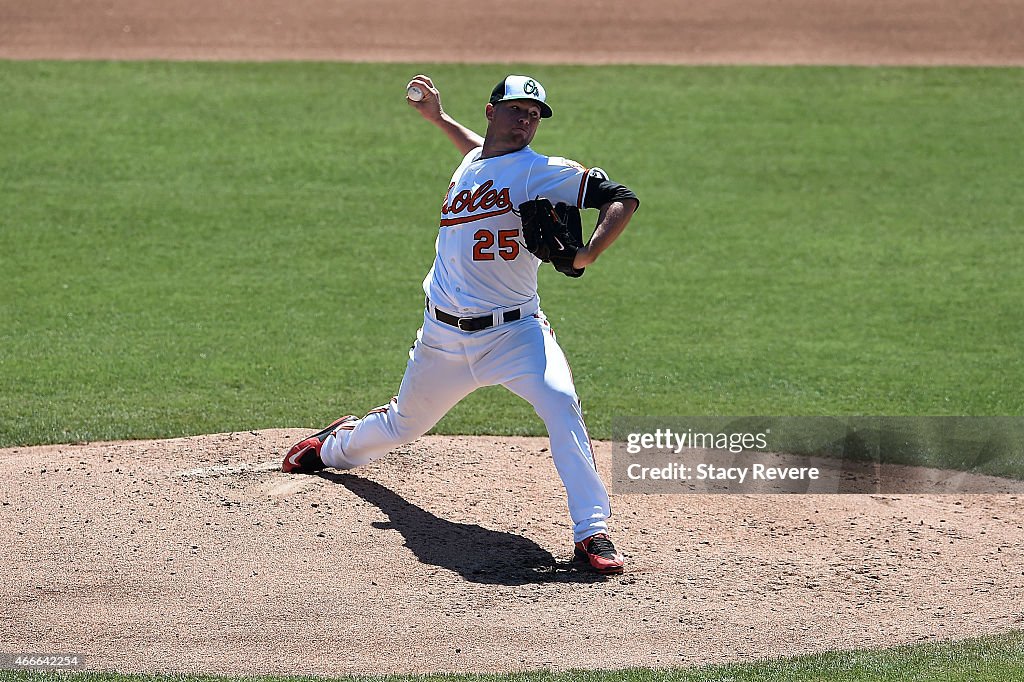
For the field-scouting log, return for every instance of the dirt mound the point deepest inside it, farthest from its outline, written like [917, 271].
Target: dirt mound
[451, 554]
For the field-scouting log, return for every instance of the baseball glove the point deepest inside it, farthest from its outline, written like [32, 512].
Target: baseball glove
[553, 233]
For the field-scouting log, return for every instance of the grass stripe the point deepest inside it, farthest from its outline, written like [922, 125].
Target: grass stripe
[206, 247]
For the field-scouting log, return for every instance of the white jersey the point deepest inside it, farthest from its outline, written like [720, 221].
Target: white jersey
[482, 263]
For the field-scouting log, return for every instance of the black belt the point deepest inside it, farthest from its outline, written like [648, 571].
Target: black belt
[473, 324]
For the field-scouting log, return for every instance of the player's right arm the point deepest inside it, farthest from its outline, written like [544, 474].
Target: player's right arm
[464, 139]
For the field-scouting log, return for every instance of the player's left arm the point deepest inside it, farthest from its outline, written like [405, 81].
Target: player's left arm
[617, 204]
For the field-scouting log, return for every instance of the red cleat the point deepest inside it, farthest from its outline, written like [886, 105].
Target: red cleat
[304, 456]
[599, 552]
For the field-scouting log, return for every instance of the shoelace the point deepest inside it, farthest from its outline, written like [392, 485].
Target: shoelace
[602, 547]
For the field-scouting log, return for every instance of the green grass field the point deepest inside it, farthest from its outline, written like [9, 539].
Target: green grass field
[991, 659]
[190, 248]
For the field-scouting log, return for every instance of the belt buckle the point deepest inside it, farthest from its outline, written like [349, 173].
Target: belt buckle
[467, 320]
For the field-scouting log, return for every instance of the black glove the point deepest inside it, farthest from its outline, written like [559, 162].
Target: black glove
[553, 233]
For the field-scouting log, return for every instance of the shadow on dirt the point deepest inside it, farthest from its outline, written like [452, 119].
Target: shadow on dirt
[477, 554]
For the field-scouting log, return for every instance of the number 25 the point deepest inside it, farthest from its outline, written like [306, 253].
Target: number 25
[508, 247]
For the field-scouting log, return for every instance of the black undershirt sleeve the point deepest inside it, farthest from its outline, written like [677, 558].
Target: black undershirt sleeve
[601, 190]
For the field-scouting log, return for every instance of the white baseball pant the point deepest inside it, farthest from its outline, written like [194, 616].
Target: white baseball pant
[446, 364]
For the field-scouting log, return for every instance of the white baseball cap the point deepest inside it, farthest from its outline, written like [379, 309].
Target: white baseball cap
[521, 87]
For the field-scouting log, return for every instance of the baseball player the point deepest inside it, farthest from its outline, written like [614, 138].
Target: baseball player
[483, 323]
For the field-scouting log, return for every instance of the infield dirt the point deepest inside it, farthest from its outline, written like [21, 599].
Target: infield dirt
[198, 554]
[450, 554]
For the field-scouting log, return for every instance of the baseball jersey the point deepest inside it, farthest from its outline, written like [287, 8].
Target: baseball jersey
[481, 263]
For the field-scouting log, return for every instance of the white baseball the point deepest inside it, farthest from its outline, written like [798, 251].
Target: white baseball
[414, 93]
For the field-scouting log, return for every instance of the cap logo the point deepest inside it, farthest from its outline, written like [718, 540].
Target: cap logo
[530, 87]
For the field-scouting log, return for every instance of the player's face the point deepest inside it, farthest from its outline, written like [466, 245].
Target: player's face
[512, 124]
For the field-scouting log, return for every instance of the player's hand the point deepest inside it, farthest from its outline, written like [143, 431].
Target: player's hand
[430, 106]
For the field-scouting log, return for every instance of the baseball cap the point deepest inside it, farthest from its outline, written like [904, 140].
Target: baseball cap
[521, 87]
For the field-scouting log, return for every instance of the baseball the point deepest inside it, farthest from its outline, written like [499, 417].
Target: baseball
[414, 93]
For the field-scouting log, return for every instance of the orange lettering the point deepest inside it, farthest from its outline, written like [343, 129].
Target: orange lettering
[474, 204]
[483, 198]
[461, 201]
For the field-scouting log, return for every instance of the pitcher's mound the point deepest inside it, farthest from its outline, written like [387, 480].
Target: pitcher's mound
[452, 554]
